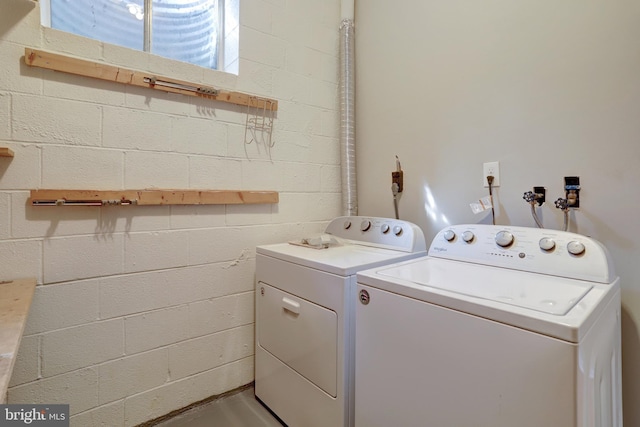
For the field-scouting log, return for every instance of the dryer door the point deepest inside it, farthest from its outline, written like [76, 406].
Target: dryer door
[303, 335]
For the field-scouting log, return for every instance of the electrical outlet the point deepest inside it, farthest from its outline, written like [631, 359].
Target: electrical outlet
[493, 169]
[397, 178]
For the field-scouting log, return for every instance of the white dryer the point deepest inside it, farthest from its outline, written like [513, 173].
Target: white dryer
[497, 327]
[305, 297]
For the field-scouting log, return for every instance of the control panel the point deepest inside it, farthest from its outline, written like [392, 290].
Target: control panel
[380, 232]
[557, 253]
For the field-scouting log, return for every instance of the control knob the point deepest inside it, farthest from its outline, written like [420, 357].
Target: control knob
[575, 248]
[449, 235]
[468, 236]
[347, 224]
[504, 238]
[384, 228]
[547, 244]
[397, 230]
[365, 225]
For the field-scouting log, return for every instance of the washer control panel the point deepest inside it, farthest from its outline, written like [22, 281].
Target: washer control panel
[557, 253]
[380, 232]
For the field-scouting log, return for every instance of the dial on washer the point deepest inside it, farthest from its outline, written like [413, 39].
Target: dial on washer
[575, 248]
[504, 239]
[547, 244]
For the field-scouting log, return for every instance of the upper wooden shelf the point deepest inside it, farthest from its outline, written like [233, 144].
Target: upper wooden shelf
[15, 300]
[6, 152]
[150, 197]
[103, 71]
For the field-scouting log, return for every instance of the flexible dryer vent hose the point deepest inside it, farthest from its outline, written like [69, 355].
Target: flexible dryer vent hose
[347, 119]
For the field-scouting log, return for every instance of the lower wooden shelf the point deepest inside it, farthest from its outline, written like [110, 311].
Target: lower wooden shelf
[150, 197]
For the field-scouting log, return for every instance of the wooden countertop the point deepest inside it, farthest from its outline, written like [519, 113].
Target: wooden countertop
[15, 300]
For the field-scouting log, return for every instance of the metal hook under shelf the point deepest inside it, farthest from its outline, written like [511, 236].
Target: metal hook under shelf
[259, 122]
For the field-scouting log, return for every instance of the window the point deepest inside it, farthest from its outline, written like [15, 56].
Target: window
[201, 32]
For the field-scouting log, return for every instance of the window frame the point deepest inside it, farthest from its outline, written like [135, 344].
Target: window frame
[45, 20]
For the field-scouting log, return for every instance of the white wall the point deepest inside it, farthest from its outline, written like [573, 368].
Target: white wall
[143, 310]
[549, 89]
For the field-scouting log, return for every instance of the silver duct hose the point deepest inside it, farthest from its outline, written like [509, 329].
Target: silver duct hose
[347, 118]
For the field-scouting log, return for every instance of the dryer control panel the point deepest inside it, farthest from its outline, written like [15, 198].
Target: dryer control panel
[552, 252]
[379, 232]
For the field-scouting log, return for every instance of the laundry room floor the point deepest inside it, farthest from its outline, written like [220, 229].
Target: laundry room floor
[239, 409]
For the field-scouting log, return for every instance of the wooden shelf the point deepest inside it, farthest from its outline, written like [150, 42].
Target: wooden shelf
[6, 152]
[150, 197]
[103, 71]
[15, 300]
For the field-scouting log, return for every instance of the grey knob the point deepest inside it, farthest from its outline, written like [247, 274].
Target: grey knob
[365, 225]
[468, 236]
[347, 224]
[547, 244]
[397, 230]
[575, 248]
[384, 228]
[449, 235]
[504, 238]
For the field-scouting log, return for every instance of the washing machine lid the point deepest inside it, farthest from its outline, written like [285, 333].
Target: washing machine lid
[344, 260]
[547, 294]
[555, 306]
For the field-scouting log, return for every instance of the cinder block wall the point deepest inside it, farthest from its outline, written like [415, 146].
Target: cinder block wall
[143, 310]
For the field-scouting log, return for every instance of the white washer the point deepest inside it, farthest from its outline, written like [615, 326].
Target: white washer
[497, 327]
[305, 299]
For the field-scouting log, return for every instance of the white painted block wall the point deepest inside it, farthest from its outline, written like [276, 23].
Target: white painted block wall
[143, 310]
